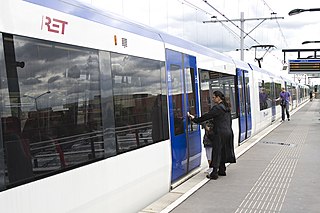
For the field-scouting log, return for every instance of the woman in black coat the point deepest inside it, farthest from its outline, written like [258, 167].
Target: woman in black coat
[222, 134]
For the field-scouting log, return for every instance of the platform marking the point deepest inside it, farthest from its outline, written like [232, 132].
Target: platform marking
[269, 192]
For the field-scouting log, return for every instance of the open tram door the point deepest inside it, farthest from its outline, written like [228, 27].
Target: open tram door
[183, 98]
[245, 120]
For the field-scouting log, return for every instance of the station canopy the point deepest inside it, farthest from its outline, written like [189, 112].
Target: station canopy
[307, 62]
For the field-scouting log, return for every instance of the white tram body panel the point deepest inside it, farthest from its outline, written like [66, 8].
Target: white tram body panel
[112, 185]
[123, 183]
[129, 181]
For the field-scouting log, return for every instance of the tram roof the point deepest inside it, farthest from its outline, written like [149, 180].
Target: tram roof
[94, 14]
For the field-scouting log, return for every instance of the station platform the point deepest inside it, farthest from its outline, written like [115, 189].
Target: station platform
[277, 170]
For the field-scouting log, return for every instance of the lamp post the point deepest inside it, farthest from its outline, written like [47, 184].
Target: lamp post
[315, 53]
[297, 11]
[309, 42]
[36, 98]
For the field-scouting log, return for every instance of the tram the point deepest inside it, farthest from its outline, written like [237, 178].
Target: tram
[94, 107]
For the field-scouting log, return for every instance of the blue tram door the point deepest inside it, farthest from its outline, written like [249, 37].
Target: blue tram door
[245, 125]
[183, 98]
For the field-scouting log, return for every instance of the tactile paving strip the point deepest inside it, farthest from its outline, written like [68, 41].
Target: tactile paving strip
[269, 192]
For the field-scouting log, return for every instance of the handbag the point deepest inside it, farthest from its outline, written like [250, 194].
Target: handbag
[206, 141]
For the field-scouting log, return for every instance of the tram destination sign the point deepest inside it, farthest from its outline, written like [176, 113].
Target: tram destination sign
[304, 66]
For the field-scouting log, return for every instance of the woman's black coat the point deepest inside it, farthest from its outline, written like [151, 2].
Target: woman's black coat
[222, 136]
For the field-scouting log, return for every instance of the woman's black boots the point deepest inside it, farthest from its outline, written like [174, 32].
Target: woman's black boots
[222, 170]
[214, 174]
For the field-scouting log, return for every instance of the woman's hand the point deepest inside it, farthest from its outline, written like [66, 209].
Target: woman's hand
[190, 116]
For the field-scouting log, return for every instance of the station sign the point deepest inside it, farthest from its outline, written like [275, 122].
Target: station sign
[304, 66]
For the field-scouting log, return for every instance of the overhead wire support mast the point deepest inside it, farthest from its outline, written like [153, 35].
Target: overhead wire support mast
[243, 34]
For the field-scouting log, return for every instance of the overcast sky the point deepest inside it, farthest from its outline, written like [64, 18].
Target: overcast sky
[184, 18]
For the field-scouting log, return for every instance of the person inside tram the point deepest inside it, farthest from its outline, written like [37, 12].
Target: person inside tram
[263, 99]
[222, 134]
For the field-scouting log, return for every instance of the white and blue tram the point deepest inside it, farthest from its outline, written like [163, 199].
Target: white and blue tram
[93, 107]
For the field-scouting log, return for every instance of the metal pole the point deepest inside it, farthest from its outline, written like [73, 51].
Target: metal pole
[241, 36]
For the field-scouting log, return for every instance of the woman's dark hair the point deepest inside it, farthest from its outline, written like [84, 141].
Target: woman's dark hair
[218, 93]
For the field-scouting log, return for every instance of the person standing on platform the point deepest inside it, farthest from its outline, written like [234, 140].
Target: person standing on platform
[311, 95]
[222, 134]
[285, 99]
[207, 143]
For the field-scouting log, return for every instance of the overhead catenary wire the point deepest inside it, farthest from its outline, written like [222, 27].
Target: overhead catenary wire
[224, 25]
[232, 32]
[229, 20]
[235, 35]
[195, 7]
[280, 29]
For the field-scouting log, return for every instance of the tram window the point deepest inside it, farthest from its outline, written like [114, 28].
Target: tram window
[3, 93]
[301, 93]
[177, 91]
[227, 86]
[190, 91]
[265, 94]
[241, 87]
[277, 92]
[206, 97]
[212, 81]
[267, 85]
[51, 107]
[248, 88]
[139, 102]
[294, 93]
